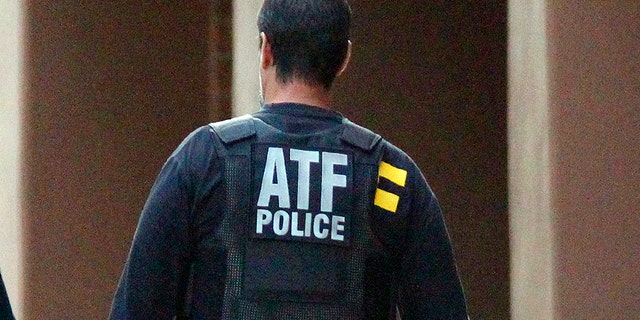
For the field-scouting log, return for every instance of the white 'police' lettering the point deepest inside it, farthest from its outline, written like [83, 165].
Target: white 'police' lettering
[314, 226]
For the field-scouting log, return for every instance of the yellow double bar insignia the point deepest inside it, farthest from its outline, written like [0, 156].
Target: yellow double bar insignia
[384, 199]
[393, 174]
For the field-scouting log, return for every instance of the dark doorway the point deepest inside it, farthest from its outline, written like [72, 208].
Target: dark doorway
[431, 78]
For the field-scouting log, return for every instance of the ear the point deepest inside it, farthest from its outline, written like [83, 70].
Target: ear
[266, 56]
[347, 58]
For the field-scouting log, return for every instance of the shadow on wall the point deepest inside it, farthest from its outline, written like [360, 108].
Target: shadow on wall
[431, 78]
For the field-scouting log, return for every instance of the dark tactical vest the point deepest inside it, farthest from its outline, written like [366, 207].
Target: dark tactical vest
[297, 232]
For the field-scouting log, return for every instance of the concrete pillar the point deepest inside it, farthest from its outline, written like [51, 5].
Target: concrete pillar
[574, 149]
[531, 217]
[246, 56]
[11, 106]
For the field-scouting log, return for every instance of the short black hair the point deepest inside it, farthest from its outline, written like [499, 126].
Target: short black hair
[309, 38]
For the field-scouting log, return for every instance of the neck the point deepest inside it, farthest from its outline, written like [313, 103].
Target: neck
[298, 92]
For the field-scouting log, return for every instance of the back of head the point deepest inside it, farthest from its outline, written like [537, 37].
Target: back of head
[308, 38]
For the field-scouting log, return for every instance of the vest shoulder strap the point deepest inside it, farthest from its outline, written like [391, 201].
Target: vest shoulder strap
[234, 130]
[360, 137]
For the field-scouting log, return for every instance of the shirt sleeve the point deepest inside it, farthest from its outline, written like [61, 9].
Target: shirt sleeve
[5, 307]
[429, 284]
[153, 283]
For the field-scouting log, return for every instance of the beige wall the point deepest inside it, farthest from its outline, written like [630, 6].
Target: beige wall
[246, 88]
[11, 253]
[575, 171]
[530, 209]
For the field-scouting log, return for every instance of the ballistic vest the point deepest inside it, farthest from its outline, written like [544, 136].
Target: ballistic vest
[297, 228]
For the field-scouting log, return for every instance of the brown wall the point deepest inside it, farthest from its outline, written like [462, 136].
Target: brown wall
[595, 119]
[431, 77]
[110, 91]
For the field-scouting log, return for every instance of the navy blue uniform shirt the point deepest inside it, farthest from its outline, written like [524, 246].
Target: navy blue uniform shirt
[5, 307]
[406, 219]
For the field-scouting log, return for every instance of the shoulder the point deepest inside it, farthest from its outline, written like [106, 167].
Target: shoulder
[394, 157]
[195, 154]
[359, 136]
[234, 129]
[366, 138]
[197, 141]
[402, 188]
[206, 139]
[394, 154]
